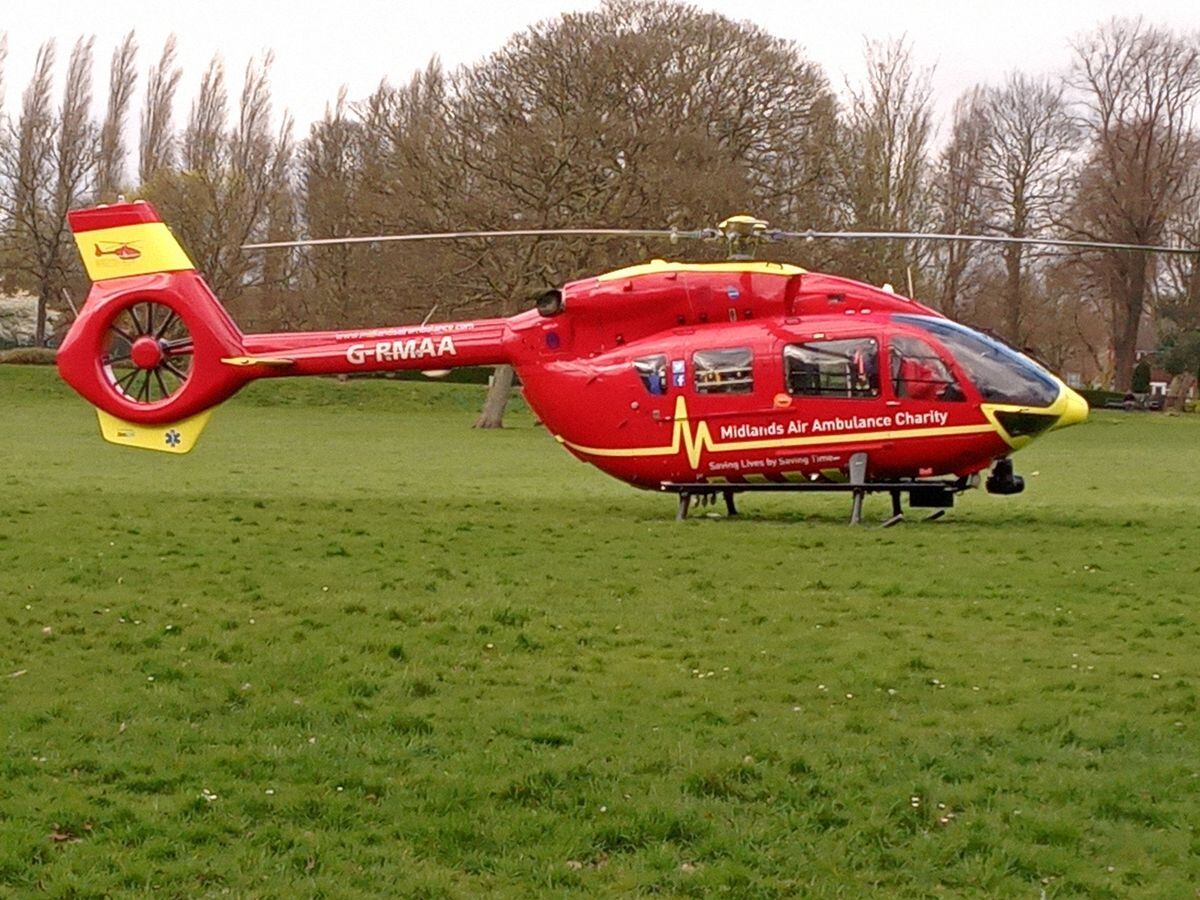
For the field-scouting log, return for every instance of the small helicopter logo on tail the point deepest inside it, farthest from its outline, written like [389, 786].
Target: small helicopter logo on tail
[124, 251]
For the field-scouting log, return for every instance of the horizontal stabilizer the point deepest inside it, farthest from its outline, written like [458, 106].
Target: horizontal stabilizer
[275, 361]
[172, 437]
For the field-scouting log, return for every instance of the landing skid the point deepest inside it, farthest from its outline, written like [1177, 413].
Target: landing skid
[700, 494]
[935, 493]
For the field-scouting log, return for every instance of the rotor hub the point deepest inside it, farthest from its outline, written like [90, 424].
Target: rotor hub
[742, 235]
[145, 352]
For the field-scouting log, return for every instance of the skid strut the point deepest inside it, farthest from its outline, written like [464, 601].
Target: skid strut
[937, 493]
[730, 508]
[858, 478]
[897, 511]
[701, 496]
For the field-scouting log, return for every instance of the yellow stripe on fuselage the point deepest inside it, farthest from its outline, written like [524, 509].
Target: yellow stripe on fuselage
[662, 267]
[701, 440]
[125, 250]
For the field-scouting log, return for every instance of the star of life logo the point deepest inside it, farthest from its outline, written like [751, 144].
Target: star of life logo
[173, 438]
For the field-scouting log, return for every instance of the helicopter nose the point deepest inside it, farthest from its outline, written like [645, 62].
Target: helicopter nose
[1075, 411]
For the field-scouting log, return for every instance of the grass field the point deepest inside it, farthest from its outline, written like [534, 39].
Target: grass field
[350, 647]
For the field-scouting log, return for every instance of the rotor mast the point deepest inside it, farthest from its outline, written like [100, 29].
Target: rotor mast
[742, 236]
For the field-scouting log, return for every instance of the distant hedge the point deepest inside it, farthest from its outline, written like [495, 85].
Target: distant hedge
[28, 356]
[1097, 398]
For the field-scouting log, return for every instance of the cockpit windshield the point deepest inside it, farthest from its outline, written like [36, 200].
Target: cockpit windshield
[1001, 374]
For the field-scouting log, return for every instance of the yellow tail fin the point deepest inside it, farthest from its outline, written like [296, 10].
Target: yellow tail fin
[173, 437]
[126, 239]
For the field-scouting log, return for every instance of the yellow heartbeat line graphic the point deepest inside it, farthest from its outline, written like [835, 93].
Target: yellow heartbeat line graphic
[695, 443]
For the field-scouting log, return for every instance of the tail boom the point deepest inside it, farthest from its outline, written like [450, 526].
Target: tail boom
[153, 349]
[444, 345]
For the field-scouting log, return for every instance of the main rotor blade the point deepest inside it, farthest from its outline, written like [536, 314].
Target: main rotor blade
[673, 234]
[969, 238]
[708, 233]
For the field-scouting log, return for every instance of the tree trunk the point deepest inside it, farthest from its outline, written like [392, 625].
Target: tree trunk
[952, 285]
[39, 334]
[492, 414]
[1013, 298]
[1124, 355]
[1128, 319]
[1177, 391]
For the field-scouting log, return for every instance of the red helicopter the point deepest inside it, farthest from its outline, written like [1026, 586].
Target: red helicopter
[122, 251]
[700, 379]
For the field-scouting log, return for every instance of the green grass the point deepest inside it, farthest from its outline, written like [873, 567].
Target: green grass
[350, 647]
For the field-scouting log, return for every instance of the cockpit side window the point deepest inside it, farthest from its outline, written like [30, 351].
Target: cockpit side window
[653, 372]
[918, 373]
[723, 371]
[1001, 374]
[842, 368]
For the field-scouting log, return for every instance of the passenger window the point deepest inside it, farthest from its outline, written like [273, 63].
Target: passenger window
[723, 371]
[845, 368]
[653, 372]
[918, 373]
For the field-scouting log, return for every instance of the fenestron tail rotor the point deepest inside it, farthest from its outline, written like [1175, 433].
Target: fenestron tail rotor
[147, 353]
[741, 234]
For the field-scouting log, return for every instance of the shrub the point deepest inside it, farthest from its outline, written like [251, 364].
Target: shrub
[28, 356]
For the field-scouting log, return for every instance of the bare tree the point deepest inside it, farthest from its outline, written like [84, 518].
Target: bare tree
[5, 140]
[157, 139]
[960, 203]
[3, 59]
[48, 161]
[110, 162]
[1027, 162]
[1178, 290]
[1076, 332]
[332, 175]
[1177, 299]
[204, 138]
[76, 156]
[29, 172]
[1139, 87]
[885, 164]
[231, 179]
[639, 113]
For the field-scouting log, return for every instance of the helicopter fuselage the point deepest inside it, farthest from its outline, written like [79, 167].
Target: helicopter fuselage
[744, 372]
[727, 372]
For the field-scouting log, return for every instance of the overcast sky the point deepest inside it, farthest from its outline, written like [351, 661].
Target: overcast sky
[320, 46]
